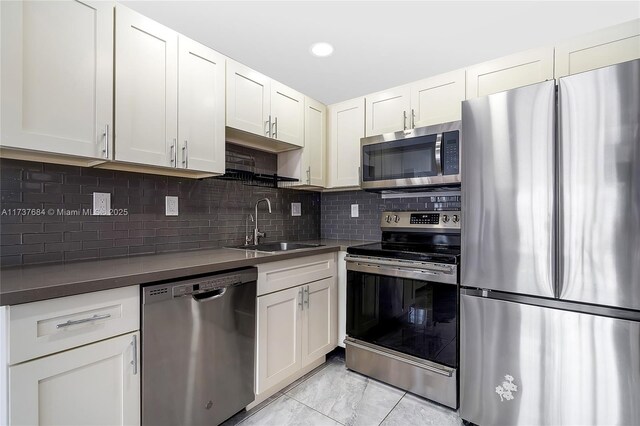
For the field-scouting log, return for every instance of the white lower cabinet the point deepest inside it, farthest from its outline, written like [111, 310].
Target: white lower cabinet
[297, 326]
[97, 384]
[279, 334]
[319, 319]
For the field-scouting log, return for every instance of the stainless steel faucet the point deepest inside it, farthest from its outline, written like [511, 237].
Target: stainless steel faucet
[256, 232]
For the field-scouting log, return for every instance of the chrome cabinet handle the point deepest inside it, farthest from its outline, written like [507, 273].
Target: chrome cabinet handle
[275, 128]
[404, 120]
[172, 153]
[268, 124]
[96, 317]
[301, 302]
[439, 154]
[134, 361]
[309, 176]
[306, 291]
[185, 155]
[413, 118]
[106, 141]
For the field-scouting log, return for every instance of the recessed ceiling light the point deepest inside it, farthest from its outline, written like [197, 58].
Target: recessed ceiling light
[321, 49]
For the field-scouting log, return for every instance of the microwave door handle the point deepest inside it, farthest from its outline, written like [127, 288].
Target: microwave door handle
[438, 154]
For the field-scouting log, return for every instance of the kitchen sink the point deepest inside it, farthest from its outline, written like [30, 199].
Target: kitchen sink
[274, 247]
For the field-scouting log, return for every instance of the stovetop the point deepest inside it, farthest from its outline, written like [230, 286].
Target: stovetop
[409, 251]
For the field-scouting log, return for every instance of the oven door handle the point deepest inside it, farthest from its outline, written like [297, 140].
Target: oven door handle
[399, 264]
[402, 272]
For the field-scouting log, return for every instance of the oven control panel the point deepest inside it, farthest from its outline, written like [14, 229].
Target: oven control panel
[444, 220]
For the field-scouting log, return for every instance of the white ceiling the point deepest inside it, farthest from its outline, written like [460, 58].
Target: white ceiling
[378, 44]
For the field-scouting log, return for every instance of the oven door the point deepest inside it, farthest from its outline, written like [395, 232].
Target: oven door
[403, 310]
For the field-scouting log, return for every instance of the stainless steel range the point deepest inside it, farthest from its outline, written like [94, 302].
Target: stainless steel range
[402, 304]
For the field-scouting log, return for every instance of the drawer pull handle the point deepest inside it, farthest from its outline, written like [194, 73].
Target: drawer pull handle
[81, 321]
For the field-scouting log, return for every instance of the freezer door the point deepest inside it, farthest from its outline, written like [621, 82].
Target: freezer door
[508, 190]
[530, 365]
[600, 186]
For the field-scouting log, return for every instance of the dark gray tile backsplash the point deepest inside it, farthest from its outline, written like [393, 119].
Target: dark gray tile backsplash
[337, 223]
[212, 212]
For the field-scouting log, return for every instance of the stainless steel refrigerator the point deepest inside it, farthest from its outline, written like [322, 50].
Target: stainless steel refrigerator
[550, 304]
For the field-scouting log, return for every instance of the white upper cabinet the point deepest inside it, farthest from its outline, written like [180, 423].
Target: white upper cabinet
[201, 107]
[248, 99]
[57, 76]
[146, 90]
[346, 128]
[388, 111]
[437, 99]
[315, 142]
[308, 164]
[287, 111]
[609, 46]
[426, 102]
[261, 106]
[509, 72]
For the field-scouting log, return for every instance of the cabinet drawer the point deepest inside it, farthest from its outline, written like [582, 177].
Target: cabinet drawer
[41, 328]
[277, 276]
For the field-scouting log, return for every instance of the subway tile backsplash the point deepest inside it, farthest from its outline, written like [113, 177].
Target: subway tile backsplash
[337, 223]
[212, 212]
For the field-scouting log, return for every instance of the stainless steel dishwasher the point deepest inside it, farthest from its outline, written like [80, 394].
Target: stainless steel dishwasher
[198, 345]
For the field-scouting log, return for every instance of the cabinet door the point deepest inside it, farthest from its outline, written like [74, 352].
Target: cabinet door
[146, 90]
[315, 141]
[279, 330]
[201, 107]
[437, 99]
[57, 76]
[602, 48]
[346, 128]
[248, 99]
[319, 319]
[388, 111]
[509, 72]
[97, 384]
[287, 113]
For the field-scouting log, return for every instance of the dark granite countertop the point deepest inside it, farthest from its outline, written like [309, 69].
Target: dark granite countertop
[30, 283]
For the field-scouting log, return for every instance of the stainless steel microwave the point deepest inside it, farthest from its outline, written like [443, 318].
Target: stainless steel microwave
[421, 158]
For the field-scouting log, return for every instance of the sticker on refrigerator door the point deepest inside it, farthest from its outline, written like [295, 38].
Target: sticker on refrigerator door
[507, 389]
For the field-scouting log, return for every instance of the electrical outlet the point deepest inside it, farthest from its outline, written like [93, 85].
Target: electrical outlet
[296, 209]
[354, 210]
[171, 206]
[101, 204]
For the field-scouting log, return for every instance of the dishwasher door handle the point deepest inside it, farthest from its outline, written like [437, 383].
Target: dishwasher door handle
[210, 295]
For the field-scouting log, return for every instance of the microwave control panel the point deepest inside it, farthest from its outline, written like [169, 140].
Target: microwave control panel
[451, 153]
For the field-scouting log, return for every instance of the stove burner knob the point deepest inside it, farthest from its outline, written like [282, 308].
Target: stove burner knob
[445, 218]
[455, 218]
[388, 218]
[396, 218]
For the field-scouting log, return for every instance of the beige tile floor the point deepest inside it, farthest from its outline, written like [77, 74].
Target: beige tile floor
[333, 395]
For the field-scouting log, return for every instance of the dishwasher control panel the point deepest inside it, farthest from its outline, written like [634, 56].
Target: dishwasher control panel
[196, 286]
[206, 285]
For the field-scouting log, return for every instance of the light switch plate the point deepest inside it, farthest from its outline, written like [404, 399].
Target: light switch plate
[171, 205]
[296, 209]
[354, 210]
[101, 204]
